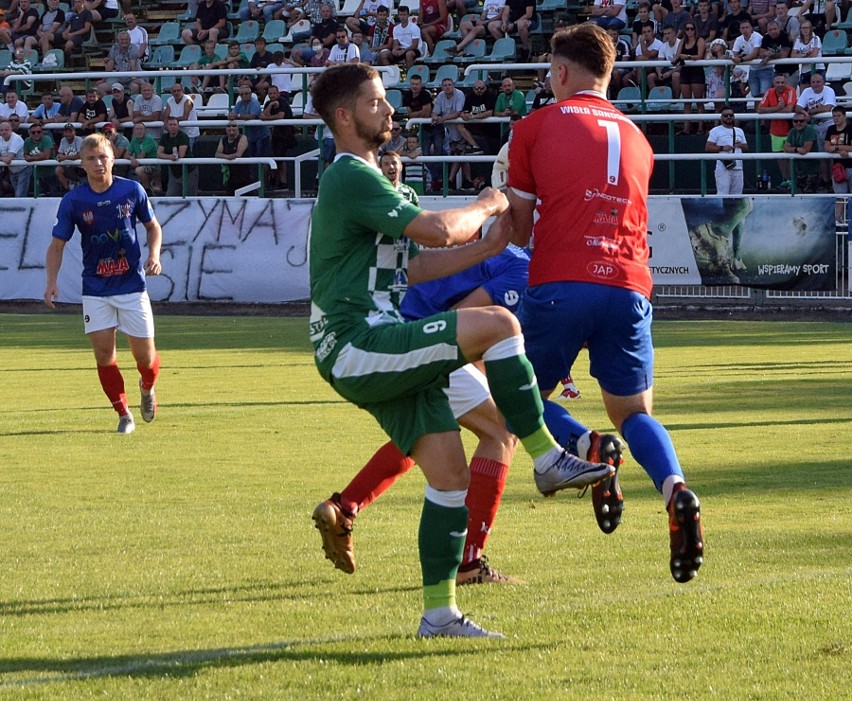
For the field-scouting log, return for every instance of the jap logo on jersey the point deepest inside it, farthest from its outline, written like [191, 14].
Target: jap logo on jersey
[602, 269]
[124, 210]
[88, 216]
[511, 299]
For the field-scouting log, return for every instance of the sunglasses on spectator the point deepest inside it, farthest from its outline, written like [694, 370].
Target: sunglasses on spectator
[798, 121]
[726, 114]
[689, 28]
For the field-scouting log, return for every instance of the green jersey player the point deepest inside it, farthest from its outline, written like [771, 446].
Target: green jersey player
[363, 254]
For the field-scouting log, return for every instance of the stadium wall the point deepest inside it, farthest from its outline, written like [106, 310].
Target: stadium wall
[254, 250]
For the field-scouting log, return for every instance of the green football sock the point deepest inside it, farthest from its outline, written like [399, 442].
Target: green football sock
[441, 540]
[516, 393]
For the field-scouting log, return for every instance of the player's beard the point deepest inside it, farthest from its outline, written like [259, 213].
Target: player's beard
[373, 137]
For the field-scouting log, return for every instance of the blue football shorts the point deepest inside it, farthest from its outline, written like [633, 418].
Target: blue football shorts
[558, 318]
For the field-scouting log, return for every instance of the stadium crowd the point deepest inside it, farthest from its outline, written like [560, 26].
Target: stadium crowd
[430, 41]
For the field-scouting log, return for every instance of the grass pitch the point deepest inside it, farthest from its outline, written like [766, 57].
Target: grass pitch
[180, 562]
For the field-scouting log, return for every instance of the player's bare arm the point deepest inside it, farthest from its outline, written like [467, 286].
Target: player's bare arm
[52, 264]
[155, 240]
[454, 226]
[430, 264]
[522, 210]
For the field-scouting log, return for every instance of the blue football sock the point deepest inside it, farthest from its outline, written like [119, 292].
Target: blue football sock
[564, 427]
[651, 446]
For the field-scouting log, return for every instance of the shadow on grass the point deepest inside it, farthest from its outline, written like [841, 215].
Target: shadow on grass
[753, 424]
[186, 663]
[250, 593]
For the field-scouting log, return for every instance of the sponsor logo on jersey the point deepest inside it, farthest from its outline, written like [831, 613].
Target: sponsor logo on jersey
[601, 242]
[326, 346]
[104, 203]
[595, 194]
[108, 267]
[609, 218]
[394, 213]
[602, 269]
[511, 298]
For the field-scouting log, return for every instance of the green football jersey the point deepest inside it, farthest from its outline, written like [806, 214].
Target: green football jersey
[358, 255]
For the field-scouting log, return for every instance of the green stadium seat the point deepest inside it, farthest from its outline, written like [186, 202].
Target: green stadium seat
[417, 69]
[163, 57]
[56, 65]
[169, 34]
[505, 50]
[834, 42]
[274, 30]
[189, 54]
[444, 52]
[473, 52]
[446, 71]
[247, 31]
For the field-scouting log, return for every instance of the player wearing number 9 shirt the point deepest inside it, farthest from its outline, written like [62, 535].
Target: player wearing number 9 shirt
[585, 167]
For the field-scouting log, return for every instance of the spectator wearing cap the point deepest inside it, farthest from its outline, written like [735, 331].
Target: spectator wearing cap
[123, 57]
[38, 146]
[68, 152]
[121, 108]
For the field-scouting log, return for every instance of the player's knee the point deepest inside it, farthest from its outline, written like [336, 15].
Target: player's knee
[505, 322]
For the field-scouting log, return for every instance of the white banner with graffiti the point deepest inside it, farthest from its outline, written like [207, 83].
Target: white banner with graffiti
[234, 250]
[256, 250]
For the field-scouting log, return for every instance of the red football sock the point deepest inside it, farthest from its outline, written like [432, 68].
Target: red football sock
[149, 373]
[113, 386]
[487, 480]
[375, 478]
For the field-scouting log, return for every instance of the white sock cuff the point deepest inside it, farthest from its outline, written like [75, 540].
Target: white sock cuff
[584, 442]
[669, 485]
[451, 499]
[507, 348]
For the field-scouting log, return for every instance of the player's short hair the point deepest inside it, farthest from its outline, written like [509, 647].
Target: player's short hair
[339, 86]
[96, 141]
[585, 45]
[391, 154]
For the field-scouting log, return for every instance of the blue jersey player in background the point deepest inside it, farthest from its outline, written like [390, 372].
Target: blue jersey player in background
[105, 210]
